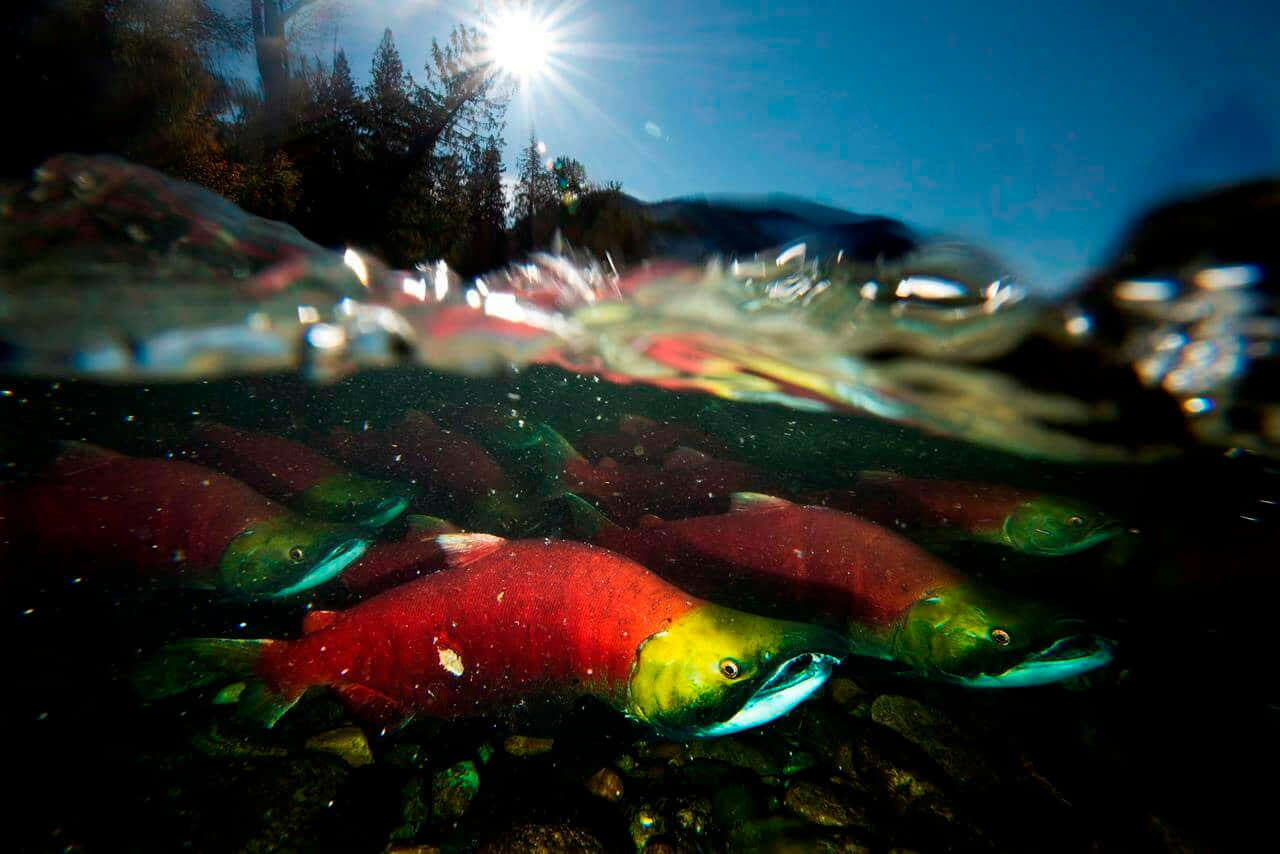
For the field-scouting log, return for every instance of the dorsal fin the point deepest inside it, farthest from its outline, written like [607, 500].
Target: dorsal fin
[649, 520]
[462, 549]
[684, 456]
[754, 502]
[315, 621]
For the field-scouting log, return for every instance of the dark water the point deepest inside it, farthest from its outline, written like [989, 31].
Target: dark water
[1166, 747]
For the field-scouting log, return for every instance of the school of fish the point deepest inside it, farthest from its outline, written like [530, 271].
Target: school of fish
[496, 563]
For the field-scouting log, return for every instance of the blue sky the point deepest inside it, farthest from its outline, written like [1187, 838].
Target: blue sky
[1037, 130]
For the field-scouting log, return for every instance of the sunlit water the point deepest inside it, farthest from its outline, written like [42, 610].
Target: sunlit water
[1099, 469]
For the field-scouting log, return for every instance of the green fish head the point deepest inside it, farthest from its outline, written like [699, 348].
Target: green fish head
[354, 499]
[715, 671]
[285, 555]
[1051, 526]
[982, 638]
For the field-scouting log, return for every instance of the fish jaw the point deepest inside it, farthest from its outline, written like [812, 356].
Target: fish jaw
[1063, 659]
[972, 635]
[714, 670]
[792, 683]
[285, 555]
[354, 499]
[330, 567]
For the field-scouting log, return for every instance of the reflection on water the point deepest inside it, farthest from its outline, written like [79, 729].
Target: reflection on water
[712, 553]
[144, 278]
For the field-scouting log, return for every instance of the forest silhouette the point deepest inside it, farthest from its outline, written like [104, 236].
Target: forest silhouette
[407, 166]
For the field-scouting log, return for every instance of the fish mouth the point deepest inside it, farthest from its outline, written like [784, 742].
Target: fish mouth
[1100, 533]
[791, 683]
[385, 511]
[1063, 659]
[329, 567]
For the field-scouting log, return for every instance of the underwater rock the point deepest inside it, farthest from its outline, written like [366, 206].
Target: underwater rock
[527, 745]
[288, 799]
[606, 783]
[791, 836]
[845, 692]
[415, 809]
[542, 839]
[954, 750]
[412, 849]
[732, 805]
[694, 816]
[348, 743]
[797, 761]
[731, 750]
[220, 743]
[646, 822]
[903, 786]
[874, 768]
[409, 756]
[683, 823]
[453, 789]
[823, 805]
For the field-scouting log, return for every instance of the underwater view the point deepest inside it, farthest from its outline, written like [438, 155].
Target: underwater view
[362, 493]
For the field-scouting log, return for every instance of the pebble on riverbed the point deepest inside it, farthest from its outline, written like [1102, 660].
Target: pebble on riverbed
[527, 745]
[606, 783]
[542, 839]
[453, 789]
[823, 805]
[348, 743]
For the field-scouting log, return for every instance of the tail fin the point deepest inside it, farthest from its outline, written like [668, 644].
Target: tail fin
[200, 662]
[584, 521]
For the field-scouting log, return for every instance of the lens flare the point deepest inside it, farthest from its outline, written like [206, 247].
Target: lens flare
[519, 42]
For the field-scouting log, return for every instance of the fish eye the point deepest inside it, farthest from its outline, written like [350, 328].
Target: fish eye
[730, 669]
[296, 554]
[1075, 521]
[1000, 637]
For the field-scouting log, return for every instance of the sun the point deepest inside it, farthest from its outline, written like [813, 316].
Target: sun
[519, 42]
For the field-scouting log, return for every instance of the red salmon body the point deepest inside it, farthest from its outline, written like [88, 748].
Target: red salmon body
[640, 439]
[529, 617]
[443, 462]
[393, 562]
[157, 517]
[688, 483]
[906, 503]
[276, 467]
[785, 559]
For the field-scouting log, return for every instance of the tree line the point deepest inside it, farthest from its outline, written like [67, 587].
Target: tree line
[408, 165]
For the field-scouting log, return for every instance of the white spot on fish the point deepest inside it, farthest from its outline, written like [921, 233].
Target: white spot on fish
[501, 593]
[451, 661]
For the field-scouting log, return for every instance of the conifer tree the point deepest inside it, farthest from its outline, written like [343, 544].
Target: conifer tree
[535, 192]
[487, 210]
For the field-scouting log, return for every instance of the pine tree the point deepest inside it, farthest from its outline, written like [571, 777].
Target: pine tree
[485, 247]
[535, 192]
[390, 109]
